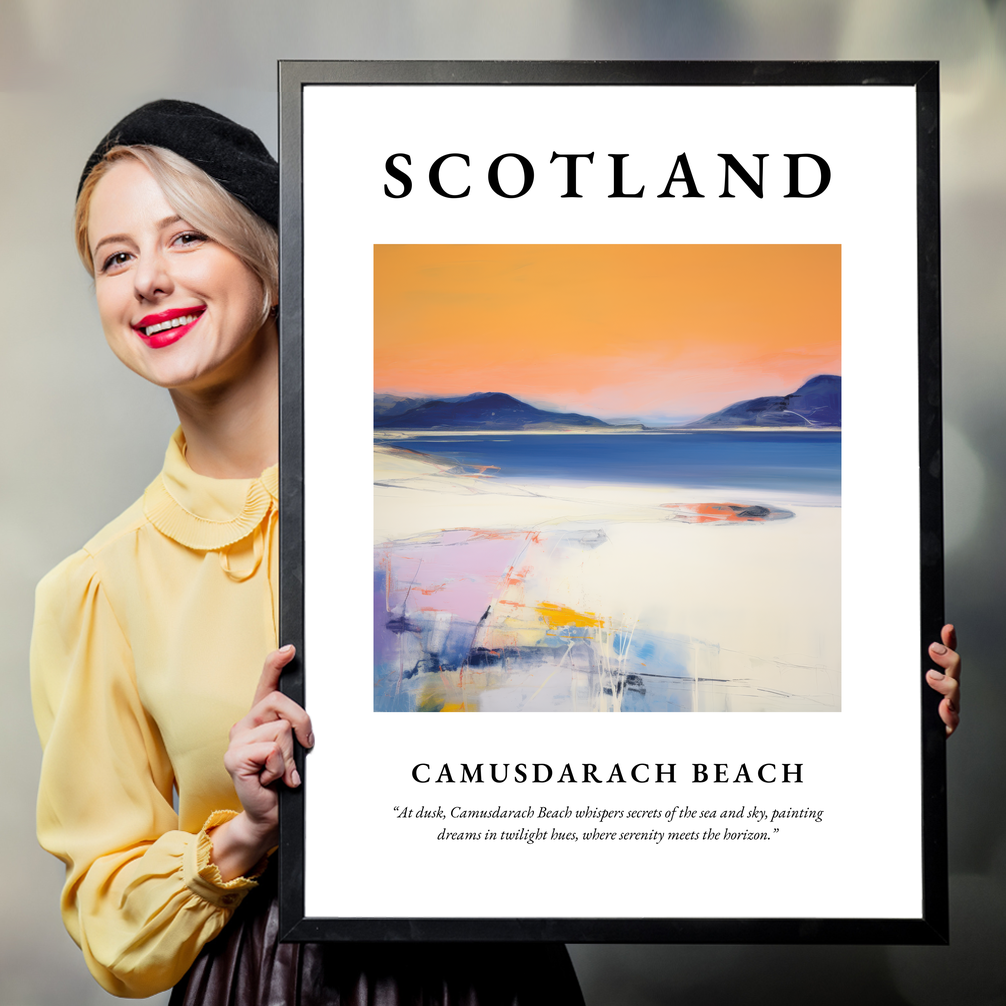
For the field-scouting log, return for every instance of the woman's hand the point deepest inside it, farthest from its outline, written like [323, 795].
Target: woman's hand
[948, 681]
[260, 753]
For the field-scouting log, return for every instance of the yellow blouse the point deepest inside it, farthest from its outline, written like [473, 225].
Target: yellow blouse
[147, 647]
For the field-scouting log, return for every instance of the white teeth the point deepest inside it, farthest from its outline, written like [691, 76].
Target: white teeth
[173, 323]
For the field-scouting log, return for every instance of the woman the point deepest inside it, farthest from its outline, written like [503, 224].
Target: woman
[148, 643]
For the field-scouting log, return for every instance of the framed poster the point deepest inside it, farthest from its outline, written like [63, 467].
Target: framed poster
[610, 418]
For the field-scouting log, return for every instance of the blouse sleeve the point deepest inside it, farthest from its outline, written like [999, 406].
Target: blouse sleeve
[141, 898]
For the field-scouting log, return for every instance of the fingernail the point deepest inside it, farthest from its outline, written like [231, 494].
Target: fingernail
[310, 740]
[287, 649]
[936, 675]
[295, 777]
[938, 648]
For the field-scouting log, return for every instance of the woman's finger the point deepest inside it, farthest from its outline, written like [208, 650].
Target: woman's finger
[274, 764]
[949, 660]
[949, 688]
[944, 684]
[260, 760]
[950, 716]
[271, 671]
[949, 636]
[278, 732]
[947, 681]
[277, 706]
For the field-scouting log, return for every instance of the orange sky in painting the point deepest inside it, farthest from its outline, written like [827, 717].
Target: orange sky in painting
[616, 331]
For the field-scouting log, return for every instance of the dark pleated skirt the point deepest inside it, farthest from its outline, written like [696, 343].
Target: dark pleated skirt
[246, 965]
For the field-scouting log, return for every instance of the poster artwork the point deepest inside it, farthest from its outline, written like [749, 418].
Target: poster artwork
[602, 395]
[607, 478]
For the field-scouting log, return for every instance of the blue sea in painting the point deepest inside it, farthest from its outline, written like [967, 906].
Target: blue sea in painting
[808, 463]
[647, 608]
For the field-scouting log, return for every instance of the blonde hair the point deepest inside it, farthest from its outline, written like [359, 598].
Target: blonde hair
[199, 200]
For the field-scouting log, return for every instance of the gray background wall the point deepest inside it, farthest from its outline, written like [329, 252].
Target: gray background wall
[81, 436]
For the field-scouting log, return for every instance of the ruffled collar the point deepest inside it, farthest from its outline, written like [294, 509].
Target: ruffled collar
[202, 513]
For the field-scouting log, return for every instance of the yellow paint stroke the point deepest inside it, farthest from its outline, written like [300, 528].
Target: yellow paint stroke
[453, 707]
[558, 616]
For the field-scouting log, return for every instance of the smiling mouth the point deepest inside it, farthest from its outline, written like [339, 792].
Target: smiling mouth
[165, 324]
[185, 319]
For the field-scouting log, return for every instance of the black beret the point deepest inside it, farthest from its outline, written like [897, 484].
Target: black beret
[230, 154]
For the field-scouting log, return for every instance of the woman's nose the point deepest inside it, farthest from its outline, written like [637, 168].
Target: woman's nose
[152, 277]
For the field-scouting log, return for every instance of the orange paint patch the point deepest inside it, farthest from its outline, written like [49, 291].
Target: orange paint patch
[516, 578]
[606, 328]
[487, 534]
[710, 512]
[719, 513]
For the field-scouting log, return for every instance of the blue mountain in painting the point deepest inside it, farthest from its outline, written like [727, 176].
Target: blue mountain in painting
[484, 410]
[396, 405]
[816, 403]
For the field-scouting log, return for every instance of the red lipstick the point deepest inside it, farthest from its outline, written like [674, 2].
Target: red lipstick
[166, 327]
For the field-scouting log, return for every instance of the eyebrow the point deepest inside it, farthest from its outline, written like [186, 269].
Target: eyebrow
[111, 238]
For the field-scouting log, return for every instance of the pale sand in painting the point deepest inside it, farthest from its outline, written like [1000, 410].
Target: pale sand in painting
[494, 595]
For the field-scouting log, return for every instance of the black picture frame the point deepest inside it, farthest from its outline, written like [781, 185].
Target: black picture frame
[931, 927]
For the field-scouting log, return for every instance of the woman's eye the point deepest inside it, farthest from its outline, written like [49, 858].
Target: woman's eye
[114, 261]
[190, 238]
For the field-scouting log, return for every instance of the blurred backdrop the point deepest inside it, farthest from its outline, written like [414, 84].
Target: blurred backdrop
[83, 437]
